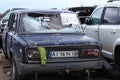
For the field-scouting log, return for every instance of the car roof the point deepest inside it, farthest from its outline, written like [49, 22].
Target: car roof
[82, 8]
[50, 11]
[13, 9]
[114, 3]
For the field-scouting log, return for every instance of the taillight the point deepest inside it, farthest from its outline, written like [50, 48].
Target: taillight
[91, 52]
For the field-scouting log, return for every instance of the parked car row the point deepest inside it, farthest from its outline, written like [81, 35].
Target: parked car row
[38, 41]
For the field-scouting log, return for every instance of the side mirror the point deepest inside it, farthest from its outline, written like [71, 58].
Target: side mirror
[2, 25]
[87, 21]
[84, 26]
[4, 20]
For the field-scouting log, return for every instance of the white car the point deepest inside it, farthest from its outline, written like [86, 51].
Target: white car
[104, 25]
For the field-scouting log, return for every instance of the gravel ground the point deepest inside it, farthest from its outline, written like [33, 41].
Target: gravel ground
[5, 68]
[2, 76]
[5, 74]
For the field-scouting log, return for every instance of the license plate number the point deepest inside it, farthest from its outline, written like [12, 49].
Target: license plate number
[64, 54]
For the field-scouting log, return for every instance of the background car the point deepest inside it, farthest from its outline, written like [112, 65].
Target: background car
[83, 12]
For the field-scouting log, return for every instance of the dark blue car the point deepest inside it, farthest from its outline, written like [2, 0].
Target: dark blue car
[38, 41]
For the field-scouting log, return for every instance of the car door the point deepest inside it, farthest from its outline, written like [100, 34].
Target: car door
[108, 29]
[4, 30]
[93, 23]
[8, 33]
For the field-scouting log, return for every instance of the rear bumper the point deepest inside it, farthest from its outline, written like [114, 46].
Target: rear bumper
[56, 67]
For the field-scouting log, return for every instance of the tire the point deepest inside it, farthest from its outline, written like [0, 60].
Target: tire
[116, 67]
[116, 72]
[15, 75]
[117, 61]
[0, 41]
[117, 58]
[113, 74]
[5, 54]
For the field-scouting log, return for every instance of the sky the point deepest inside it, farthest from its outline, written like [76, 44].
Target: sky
[46, 4]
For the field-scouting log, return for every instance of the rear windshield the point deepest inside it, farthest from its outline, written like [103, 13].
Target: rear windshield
[50, 23]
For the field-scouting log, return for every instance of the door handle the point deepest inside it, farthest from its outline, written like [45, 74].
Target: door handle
[95, 30]
[113, 31]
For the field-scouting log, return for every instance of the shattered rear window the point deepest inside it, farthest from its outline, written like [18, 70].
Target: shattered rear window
[50, 23]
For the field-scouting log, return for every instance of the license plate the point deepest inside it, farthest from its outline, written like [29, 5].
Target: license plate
[64, 54]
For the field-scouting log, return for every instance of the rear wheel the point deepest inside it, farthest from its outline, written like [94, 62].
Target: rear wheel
[15, 75]
[116, 71]
[5, 54]
[117, 58]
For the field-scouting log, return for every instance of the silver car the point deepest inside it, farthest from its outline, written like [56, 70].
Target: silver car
[104, 25]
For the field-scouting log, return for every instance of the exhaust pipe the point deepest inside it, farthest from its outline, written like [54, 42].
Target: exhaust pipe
[67, 71]
[64, 71]
[88, 73]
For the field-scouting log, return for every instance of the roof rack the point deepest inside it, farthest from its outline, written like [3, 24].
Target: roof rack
[112, 0]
